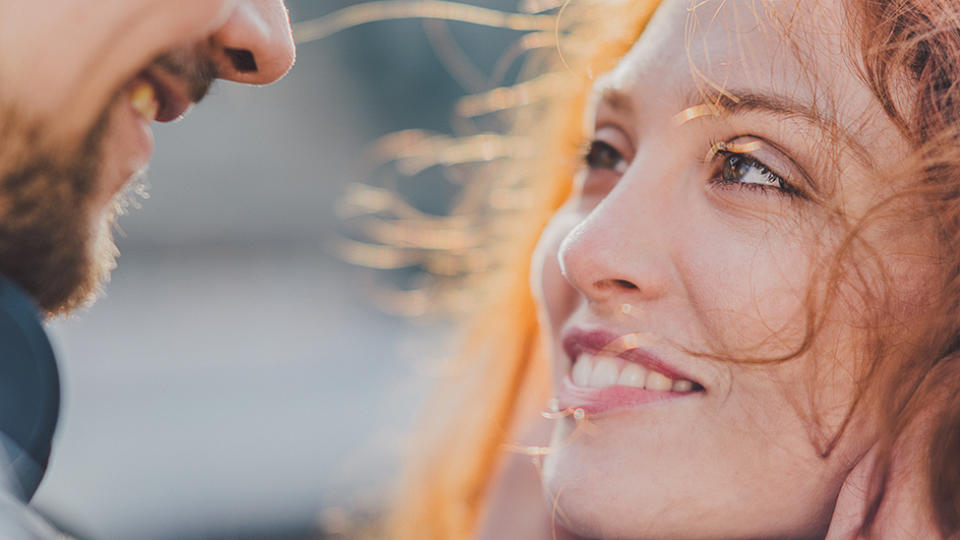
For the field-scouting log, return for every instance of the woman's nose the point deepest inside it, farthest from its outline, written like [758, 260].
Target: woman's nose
[255, 45]
[615, 256]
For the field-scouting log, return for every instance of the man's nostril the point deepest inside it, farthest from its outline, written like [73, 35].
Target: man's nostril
[242, 59]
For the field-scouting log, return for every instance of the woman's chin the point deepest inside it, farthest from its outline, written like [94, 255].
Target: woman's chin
[585, 500]
[609, 481]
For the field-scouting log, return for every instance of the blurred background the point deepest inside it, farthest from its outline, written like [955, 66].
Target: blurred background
[235, 381]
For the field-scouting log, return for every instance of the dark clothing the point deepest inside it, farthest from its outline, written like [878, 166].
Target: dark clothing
[29, 407]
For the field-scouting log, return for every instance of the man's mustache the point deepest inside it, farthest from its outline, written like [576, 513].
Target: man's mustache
[192, 65]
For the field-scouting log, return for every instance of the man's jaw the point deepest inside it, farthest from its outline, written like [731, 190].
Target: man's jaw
[128, 143]
[164, 91]
[105, 173]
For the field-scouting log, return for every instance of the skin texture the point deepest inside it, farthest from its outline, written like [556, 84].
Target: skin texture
[72, 141]
[656, 246]
[88, 52]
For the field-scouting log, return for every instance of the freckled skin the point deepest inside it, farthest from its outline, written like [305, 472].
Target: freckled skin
[722, 268]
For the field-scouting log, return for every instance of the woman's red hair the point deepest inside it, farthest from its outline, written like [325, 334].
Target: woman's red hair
[910, 58]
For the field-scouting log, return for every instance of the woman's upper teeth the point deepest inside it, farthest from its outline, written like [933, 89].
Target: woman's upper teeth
[601, 371]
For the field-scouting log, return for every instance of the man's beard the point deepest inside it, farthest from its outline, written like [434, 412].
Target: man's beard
[54, 243]
[49, 243]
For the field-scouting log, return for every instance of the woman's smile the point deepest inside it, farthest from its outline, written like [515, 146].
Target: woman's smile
[713, 230]
[610, 373]
[746, 293]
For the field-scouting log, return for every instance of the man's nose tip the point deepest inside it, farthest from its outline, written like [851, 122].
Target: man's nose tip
[256, 43]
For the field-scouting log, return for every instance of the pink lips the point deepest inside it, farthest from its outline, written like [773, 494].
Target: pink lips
[171, 92]
[597, 400]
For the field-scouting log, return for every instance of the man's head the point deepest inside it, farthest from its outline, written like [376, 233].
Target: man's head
[80, 83]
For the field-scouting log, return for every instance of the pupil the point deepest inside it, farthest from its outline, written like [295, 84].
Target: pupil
[609, 160]
[733, 168]
[602, 155]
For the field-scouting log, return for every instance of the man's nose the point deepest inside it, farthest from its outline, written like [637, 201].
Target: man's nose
[255, 45]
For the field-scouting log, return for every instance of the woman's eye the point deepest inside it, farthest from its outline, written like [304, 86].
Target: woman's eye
[745, 171]
[602, 155]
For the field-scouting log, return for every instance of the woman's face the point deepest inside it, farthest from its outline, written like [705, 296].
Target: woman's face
[730, 149]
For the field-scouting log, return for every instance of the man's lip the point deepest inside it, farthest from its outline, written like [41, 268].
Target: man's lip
[577, 341]
[172, 93]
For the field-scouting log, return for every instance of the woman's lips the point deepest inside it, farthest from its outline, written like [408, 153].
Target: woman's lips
[593, 401]
[613, 372]
[627, 346]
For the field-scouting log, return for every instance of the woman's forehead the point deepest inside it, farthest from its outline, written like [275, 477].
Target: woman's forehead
[754, 43]
[799, 52]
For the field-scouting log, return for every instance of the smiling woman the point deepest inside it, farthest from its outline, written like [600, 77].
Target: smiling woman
[745, 294]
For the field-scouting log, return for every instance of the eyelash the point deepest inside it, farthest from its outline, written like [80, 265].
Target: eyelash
[720, 152]
[590, 157]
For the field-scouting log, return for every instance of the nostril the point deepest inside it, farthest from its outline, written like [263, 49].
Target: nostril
[242, 60]
[622, 283]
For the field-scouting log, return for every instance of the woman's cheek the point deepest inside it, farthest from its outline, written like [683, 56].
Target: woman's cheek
[555, 297]
[749, 296]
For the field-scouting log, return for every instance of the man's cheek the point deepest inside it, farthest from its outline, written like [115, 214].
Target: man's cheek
[91, 50]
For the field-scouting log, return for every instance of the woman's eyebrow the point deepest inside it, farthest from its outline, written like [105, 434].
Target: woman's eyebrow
[733, 102]
[615, 98]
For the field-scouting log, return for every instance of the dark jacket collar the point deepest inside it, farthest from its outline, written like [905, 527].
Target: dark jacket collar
[29, 393]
